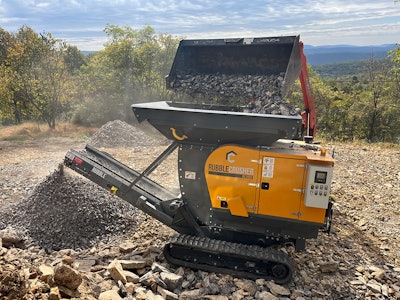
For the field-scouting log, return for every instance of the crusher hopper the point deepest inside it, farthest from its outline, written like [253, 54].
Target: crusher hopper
[246, 181]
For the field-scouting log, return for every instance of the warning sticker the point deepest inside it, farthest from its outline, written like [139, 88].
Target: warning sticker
[98, 172]
[268, 167]
[190, 175]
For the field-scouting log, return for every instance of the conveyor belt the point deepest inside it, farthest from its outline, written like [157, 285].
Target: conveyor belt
[112, 172]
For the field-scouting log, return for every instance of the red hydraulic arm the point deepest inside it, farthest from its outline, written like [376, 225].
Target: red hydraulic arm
[309, 115]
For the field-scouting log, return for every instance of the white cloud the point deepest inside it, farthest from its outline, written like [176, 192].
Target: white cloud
[43, 4]
[317, 21]
[88, 43]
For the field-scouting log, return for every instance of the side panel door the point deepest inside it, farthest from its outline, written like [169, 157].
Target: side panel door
[281, 184]
[232, 178]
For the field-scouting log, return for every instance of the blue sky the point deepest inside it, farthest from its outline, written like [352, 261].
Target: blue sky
[81, 22]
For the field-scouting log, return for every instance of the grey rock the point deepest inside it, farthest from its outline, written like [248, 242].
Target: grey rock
[132, 264]
[190, 295]
[277, 290]
[264, 295]
[167, 294]
[66, 276]
[131, 277]
[173, 281]
[109, 295]
[247, 285]
[252, 93]
[329, 267]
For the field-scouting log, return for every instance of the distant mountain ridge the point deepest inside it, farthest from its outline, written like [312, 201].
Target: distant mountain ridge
[320, 55]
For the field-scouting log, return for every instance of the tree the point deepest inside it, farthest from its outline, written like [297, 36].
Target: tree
[35, 75]
[330, 105]
[74, 59]
[374, 104]
[362, 107]
[391, 96]
[131, 68]
[5, 38]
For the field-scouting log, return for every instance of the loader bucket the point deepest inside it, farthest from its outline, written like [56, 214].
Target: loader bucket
[243, 56]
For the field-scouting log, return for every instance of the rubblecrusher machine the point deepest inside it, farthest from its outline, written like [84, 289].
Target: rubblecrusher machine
[248, 181]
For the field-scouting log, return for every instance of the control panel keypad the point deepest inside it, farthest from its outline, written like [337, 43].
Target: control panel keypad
[317, 190]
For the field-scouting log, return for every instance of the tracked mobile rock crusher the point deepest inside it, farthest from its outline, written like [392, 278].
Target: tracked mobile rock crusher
[247, 181]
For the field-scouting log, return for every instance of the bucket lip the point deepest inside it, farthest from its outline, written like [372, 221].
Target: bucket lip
[241, 40]
[168, 106]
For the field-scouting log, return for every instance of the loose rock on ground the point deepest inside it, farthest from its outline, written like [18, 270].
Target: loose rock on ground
[359, 260]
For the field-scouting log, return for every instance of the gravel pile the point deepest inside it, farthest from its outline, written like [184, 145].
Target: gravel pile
[65, 211]
[360, 259]
[69, 212]
[117, 133]
[255, 93]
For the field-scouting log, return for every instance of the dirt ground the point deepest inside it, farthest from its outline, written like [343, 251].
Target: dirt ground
[24, 164]
[366, 225]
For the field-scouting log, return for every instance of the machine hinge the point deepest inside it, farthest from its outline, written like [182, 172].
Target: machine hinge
[297, 214]
[298, 190]
[257, 185]
[257, 161]
[301, 165]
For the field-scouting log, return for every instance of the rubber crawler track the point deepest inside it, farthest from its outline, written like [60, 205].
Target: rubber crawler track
[219, 256]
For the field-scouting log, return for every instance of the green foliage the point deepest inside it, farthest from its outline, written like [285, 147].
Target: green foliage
[74, 59]
[360, 107]
[35, 78]
[131, 68]
[346, 70]
[42, 78]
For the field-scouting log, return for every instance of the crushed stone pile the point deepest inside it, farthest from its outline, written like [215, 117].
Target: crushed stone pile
[254, 93]
[69, 212]
[360, 259]
[117, 133]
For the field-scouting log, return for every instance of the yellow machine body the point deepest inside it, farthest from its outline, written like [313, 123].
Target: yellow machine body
[240, 183]
[286, 180]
